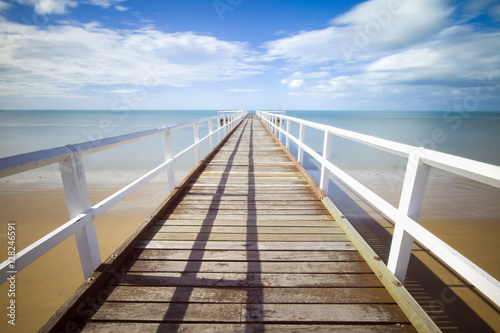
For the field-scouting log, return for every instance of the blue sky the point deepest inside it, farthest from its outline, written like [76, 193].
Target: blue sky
[250, 54]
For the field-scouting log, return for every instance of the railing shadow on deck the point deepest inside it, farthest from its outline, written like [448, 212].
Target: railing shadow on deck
[444, 306]
[179, 302]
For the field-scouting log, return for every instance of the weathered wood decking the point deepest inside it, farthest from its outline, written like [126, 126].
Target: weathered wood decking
[247, 246]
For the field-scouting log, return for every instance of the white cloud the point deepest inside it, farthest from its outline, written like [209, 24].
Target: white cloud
[104, 3]
[311, 75]
[4, 5]
[315, 46]
[240, 90]
[293, 83]
[452, 66]
[46, 7]
[121, 8]
[370, 27]
[459, 61]
[125, 91]
[67, 58]
[381, 25]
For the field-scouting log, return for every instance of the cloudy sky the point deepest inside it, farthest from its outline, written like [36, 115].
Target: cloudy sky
[250, 54]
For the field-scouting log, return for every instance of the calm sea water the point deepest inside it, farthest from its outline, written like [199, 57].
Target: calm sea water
[474, 135]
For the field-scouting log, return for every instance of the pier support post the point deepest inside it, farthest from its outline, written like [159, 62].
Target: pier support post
[168, 149]
[412, 197]
[302, 136]
[78, 201]
[327, 154]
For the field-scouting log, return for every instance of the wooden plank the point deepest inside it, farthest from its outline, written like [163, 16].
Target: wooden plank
[244, 245]
[205, 237]
[253, 229]
[251, 174]
[227, 197]
[325, 313]
[249, 182]
[235, 280]
[255, 168]
[296, 193]
[277, 205]
[243, 161]
[214, 194]
[257, 223]
[249, 217]
[196, 312]
[243, 267]
[246, 178]
[131, 327]
[253, 295]
[251, 212]
[231, 255]
[160, 312]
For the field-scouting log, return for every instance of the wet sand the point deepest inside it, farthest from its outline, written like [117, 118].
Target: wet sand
[464, 214]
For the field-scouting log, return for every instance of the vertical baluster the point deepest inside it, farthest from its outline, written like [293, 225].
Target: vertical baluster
[327, 154]
[302, 136]
[197, 149]
[281, 127]
[288, 129]
[169, 153]
[219, 119]
[210, 132]
[78, 201]
[412, 197]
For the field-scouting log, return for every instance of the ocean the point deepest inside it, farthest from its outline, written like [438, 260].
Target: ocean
[474, 135]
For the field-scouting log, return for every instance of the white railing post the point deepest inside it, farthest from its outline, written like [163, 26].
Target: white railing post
[219, 118]
[169, 153]
[225, 125]
[410, 204]
[302, 136]
[327, 154]
[288, 129]
[197, 149]
[210, 132]
[78, 201]
[281, 127]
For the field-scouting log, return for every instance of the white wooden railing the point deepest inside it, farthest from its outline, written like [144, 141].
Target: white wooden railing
[420, 162]
[81, 212]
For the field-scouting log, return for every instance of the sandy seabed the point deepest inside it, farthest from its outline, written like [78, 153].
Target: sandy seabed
[463, 213]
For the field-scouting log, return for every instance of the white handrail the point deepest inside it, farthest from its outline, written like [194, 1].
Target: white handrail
[406, 216]
[82, 215]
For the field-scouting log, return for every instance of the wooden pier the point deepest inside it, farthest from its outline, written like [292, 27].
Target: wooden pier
[245, 244]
